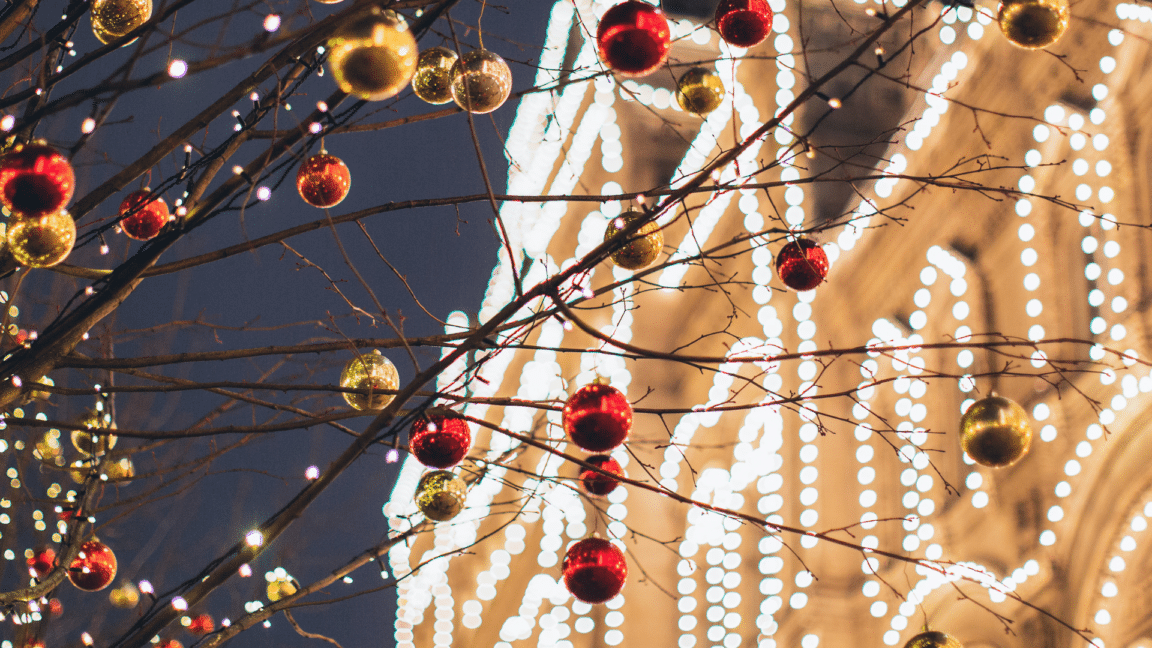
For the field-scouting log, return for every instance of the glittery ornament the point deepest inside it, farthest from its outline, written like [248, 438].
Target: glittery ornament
[323, 180]
[55, 607]
[41, 562]
[595, 570]
[374, 57]
[744, 23]
[598, 418]
[280, 587]
[633, 38]
[112, 19]
[439, 438]
[802, 264]
[433, 79]
[35, 180]
[91, 437]
[141, 218]
[1033, 24]
[481, 81]
[643, 248]
[933, 639]
[42, 241]
[995, 432]
[369, 371]
[597, 484]
[126, 596]
[440, 495]
[119, 470]
[48, 448]
[699, 91]
[201, 624]
[94, 567]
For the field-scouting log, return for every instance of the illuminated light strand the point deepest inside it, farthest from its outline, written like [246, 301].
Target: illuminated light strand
[1108, 588]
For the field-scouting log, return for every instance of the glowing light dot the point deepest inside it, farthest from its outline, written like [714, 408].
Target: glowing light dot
[255, 96]
[181, 211]
[178, 603]
[88, 125]
[312, 473]
[237, 169]
[177, 68]
[86, 638]
[16, 381]
[254, 538]
[322, 106]
[104, 249]
[271, 22]
[145, 586]
[315, 127]
[89, 290]
[392, 456]
[834, 103]
[245, 570]
[263, 193]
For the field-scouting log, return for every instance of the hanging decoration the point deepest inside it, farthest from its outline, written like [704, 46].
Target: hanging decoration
[370, 371]
[41, 562]
[595, 483]
[119, 470]
[35, 180]
[995, 432]
[323, 180]
[433, 79]
[699, 91]
[90, 438]
[598, 417]
[94, 567]
[481, 81]
[633, 38]
[744, 23]
[594, 570]
[933, 639]
[374, 57]
[280, 585]
[143, 216]
[439, 438]
[645, 246]
[41, 241]
[1033, 24]
[802, 264]
[126, 597]
[440, 495]
[201, 624]
[113, 19]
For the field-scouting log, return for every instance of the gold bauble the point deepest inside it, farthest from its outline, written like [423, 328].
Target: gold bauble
[42, 242]
[440, 495]
[279, 588]
[126, 596]
[90, 437]
[433, 79]
[995, 432]
[112, 19]
[933, 639]
[645, 246]
[48, 448]
[1033, 24]
[121, 469]
[375, 57]
[699, 91]
[481, 81]
[369, 371]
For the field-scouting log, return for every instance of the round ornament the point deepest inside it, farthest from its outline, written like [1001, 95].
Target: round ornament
[112, 19]
[91, 437]
[41, 562]
[481, 81]
[595, 483]
[374, 57]
[142, 218]
[35, 180]
[370, 371]
[594, 570]
[94, 567]
[439, 438]
[441, 495]
[633, 38]
[933, 639]
[802, 264]
[171, 643]
[995, 432]
[42, 241]
[699, 91]
[119, 470]
[598, 418]
[55, 607]
[49, 448]
[201, 624]
[1033, 24]
[433, 79]
[280, 587]
[744, 23]
[323, 180]
[125, 597]
[645, 246]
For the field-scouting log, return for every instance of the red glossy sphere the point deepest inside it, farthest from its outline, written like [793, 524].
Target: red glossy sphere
[633, 38]
[439, 438]
[94, 568]
[143, 221]
[42, 562]
[55, 608]
[594, 570]
[744, 23]
[598, 418]
[802, 264]
[36, 180]
[323, 180]
[597, 484]
[201, 624]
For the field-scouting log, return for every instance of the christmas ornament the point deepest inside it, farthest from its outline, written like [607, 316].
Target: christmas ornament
[112, 19]
[597, 417]
[280, 587]
[1033, 24]
[433, 79]
[439, 438]
[933, 639]
[91, 437]
[126, 596]
[35, 180]
[55, 607]
[633, 38]
[42, 241]
[481, 81]
[171, 643]
[594, 570]
[643, 248]
[119, 470]
[201, 624]
[373, 57]
[597, 484]
[995, 432]
[48, 448]
[802, 264]
[323, 180]
[369, 371]
[440, 495]
[94, 567]
[41, 562]
[699, 91]
[141, 218]
[744, 23]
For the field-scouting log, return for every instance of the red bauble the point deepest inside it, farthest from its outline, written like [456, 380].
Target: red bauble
[744, 23]
[598, 418]
[36, 180]
[94, 568]
[596, 483]
[802, 264]
[55, 608]
[201, 624]
[171, 643]
[595, 570]
[41, 562]
[323, 180]
[633, 38]
[146, 220]
[440, 438]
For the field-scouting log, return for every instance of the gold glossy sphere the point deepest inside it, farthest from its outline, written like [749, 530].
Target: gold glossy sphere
[375, 57]
[995, 432]
[121, 469]
[644, 247]
[126, 596]
[369, 371]
[699, 91]
[112, 19]
[89, 437]
[433, 79]
[440, 495]
[43, 241]
[933, 639]
[481, 81]
[1033, 24]
[48, 448]
[280, 588]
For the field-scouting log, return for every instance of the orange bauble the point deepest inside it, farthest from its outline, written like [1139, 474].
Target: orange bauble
[141, 218]
[323, 180]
